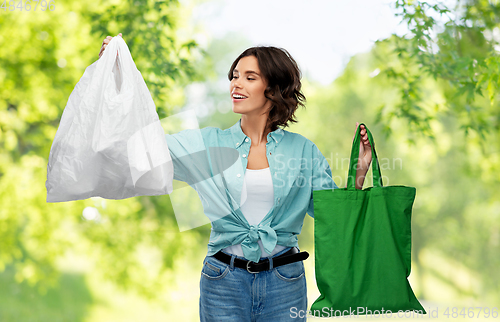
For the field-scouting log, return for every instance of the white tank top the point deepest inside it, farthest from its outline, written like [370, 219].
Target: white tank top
[258, 185]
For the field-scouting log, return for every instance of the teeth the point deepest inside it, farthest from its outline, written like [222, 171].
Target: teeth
[238, 96]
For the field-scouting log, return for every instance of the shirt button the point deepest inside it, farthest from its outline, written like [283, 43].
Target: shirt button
[246, 140]
[238, 175]
[237, 144]
[244, 155]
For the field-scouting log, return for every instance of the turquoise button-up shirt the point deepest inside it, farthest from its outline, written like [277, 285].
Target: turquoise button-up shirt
[213, 162]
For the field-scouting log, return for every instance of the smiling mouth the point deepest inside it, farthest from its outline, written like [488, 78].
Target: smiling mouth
[238, 97]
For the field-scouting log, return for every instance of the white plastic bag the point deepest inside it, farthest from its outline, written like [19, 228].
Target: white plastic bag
[110, 142]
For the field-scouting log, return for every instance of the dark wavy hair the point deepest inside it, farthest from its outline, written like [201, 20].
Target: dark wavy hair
[283, 75]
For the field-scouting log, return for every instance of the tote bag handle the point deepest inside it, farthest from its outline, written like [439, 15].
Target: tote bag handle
[377, 177]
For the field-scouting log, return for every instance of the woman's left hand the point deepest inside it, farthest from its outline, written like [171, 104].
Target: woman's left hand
[365, 149]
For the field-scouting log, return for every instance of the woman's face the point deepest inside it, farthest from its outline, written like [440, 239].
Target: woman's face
[247, 88]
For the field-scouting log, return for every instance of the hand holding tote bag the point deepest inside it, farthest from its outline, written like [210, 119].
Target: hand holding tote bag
[110, 142]
[363, 245]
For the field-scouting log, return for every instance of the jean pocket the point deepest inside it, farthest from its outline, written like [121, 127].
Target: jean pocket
[290, 272]
[214, 269]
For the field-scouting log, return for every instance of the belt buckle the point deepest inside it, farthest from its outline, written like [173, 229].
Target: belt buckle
[248, 268]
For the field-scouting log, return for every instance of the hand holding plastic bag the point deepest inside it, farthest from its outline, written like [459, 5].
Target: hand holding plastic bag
[110, 142]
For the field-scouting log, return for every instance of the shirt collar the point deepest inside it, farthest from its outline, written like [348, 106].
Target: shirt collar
[239, 136]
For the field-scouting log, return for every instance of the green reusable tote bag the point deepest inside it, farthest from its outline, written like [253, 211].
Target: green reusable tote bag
[362, 244]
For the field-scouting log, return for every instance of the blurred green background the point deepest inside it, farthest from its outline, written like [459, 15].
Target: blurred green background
[430, 98]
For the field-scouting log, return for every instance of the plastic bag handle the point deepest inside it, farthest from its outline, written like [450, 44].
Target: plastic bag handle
[117, 50]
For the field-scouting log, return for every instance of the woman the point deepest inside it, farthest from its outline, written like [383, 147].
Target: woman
[253, 270]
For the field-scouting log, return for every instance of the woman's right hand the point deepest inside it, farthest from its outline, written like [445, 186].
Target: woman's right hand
[105, 43]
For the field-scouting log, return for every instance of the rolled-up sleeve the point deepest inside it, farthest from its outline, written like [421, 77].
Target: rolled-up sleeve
[189, 155]
[321, 176]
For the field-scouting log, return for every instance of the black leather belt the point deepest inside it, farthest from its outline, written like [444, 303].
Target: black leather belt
[291, 256]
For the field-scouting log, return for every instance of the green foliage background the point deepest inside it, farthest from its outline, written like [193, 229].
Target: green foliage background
[430, 98]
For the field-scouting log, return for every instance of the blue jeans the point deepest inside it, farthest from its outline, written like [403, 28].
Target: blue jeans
[229, 293]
